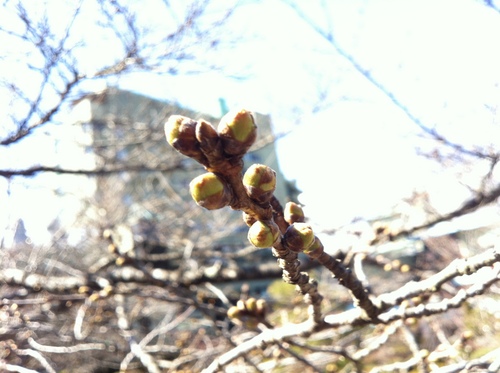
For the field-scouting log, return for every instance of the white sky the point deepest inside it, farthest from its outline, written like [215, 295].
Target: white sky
[440, 58]
[356, 157]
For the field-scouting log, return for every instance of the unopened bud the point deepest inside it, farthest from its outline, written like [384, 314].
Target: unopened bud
[84, 289]
[263, 233]
[298, 237]
[315, 250]
[261, 307]
[180, 132]
[251, 305]
[209, 191]
[293, 213]
[237, 131]
[233, 312]
[120, 261]
[207, 137]
[260, 182]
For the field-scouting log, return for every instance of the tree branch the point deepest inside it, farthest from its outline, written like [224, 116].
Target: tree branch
[32, 171]
[330, 38]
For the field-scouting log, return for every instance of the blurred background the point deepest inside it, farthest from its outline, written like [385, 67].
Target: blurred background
[371, 112]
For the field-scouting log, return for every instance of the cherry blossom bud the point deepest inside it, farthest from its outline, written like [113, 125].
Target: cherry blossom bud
[260, 182]
[261, 306]
[209, 191]
[180, 132]
[207, 137]
[293, 213]
[233, 312]
[263, 233]
[237, 131]
[298, 237]
[251, 305]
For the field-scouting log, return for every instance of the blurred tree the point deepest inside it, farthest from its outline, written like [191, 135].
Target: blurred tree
[150, 284]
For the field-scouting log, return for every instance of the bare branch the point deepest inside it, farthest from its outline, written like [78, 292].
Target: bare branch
[458, 267]
[32, 171]
[329, 37]
[469, 206]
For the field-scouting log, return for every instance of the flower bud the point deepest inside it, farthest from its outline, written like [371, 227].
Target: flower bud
[207, 137]
[233, 312]
[251, 305]
[180, 132]
[315, 250]
[293, 213]
[263, 233]
[261, 307]
[209, 191]
[298, 237]
[237, 131]
[260, 182]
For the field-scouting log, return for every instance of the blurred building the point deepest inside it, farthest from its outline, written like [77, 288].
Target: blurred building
[143, 181]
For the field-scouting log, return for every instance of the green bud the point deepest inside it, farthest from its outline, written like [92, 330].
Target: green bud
[234, 312]
[260, 182]
[237, 131]
[263, 233]
[209, 191]
[261, 307]
[251, 305]
[293, 213]
[315, 250]
[180, 132]
[298, 237]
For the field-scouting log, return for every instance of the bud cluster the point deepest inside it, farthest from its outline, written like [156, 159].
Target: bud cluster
[216, 150]
[253, 308]
[201, 141]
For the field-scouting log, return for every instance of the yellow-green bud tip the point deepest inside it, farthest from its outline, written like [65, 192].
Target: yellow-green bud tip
[241, 124]
[209, 191]
[260, 176]
[259, 182]
[237, 131]
[315, 250]
[172, 127]
[263, 234]
[233, 312]
[293, 213]
[180, 133]
[298, 237]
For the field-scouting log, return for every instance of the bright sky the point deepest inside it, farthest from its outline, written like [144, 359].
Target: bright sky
[356, 157]
[439, 58]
